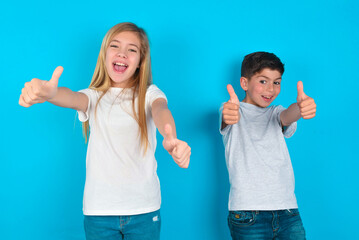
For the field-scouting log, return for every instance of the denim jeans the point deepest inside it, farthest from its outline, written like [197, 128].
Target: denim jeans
[263, 225]
[134, 227]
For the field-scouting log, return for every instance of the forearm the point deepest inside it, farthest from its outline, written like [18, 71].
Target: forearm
[161, 117]
[67, 98]
[290, 115]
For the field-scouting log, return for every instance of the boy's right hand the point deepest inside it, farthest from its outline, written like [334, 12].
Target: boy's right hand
[39, 91]
[230, 113]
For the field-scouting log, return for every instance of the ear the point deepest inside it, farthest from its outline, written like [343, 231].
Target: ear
[244, 83]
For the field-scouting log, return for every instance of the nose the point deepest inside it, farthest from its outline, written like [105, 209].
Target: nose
[270, 87]
[121, 53]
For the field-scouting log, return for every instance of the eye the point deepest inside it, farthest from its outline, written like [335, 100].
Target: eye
[263, 81]
[114, 46]
[132, 50]
[277, 83]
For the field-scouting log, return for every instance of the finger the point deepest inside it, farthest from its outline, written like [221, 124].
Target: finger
[184, 160]
[230, 112]
[301, 95]
[307, 102]
[230, 106]
[309, 112]
[232, 94]
[309, 116]
[56, 75]
[187, 162]
[308, 108]
[230, 122]
[22, 102]
[31, 92]
[26, 96]
[230, 118]
[180, 149]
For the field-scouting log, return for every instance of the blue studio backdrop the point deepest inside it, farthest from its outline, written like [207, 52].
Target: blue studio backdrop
[196, 48]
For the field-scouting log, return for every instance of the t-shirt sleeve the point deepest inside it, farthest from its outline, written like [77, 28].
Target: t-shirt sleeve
[288, 131]
[225, 130]
[91, 94]
[153, 93]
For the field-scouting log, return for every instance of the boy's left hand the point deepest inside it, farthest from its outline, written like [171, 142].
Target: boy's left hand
[179, 150]
[305, 103]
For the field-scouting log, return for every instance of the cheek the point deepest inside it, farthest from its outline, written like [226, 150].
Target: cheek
[258, 89]
[107, 60]
[277, 90]
[136, 61]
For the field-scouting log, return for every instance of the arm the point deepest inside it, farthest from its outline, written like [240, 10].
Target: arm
[304, 107]
[162, 115]
[67, 98]
[39, 91]
[230, 113]
[179, 150]
[290, 115]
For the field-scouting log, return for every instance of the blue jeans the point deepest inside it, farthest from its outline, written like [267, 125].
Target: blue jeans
[263, 225]
[134, 227]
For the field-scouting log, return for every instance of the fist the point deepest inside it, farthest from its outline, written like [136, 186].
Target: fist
[179, 150]
[230, 111]
[39, 91]
[305, 103]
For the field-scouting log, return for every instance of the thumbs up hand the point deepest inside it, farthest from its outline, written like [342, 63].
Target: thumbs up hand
[305, 103]
[230, 113]
[179, 150]
[39, 91]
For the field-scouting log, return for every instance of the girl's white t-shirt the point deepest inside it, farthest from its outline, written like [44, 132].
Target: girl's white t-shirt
[120, 178]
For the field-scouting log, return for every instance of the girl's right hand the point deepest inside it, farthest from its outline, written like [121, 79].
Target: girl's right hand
[39, 91]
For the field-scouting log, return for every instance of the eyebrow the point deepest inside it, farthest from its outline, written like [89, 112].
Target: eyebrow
[131, 44]
[269, 78]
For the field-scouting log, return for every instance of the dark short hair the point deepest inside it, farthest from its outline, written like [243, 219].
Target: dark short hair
[257, 61]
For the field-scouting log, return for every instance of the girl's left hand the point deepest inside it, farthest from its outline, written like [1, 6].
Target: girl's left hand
[179, 150]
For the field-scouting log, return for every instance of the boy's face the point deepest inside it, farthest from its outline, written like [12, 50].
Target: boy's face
[262, 88]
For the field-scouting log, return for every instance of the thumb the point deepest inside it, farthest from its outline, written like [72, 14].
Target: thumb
[301, 95]
[232, 95]
[56, 75]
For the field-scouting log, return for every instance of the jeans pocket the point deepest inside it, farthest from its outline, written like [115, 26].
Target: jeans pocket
[292, 212]
[242, 218]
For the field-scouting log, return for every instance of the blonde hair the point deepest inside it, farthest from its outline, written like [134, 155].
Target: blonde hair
[141, 79]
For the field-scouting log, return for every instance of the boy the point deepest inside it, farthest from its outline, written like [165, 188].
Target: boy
[262, 204]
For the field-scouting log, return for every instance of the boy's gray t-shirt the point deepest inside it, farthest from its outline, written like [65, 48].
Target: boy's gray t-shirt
[258, 162]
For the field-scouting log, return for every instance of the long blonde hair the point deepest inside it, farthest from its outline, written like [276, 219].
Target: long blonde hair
[141, 79]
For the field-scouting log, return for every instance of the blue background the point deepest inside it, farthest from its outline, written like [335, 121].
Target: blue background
[197, 48]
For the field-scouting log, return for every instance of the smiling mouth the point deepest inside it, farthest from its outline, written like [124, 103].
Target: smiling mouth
[119, 67]
[267, 98]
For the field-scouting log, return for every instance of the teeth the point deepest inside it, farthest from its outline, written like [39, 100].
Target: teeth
[121, 64]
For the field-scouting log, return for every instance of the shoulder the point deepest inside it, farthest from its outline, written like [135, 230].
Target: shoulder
[153, 89]
[153, 93]
[89, 91]
[92, 94]
[277, 109]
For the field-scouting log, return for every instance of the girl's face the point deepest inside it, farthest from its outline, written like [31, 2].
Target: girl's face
[122, 58]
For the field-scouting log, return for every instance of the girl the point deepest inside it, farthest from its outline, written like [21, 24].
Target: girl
[122, 108]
